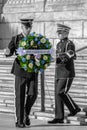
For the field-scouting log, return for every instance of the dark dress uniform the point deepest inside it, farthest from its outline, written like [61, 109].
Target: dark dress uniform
[64, 75]
[22, 79]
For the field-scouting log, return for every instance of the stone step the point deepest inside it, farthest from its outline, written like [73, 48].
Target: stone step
[52, 101]
[52, 67]
[52, 110]
[81, 75]
[78, 91]
[6, 89]
[77, 64]
[52, 78]
[80, 65]
[37, 104]
[49, 100]
[49, 104]
[77, 70]
[4, 71]
[36, 113]
[81, 55]
[7, 102]
[6, 67]
[7, 93]
[48, 116]
[81, 61]
[80, 118]
[6, 96]
[75, 95]
[73, 90]
[4, 76]
[7, 58]
[51, 83]
[9, 61]
[7, 109]
[6, 84]
[48, 86]
[78, 74]
[77, 100]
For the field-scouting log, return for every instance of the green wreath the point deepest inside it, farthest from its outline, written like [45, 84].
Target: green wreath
[34, 62]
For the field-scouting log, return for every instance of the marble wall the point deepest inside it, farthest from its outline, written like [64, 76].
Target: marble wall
[46, 14]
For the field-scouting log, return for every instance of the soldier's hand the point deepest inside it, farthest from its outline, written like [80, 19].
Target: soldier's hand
[58, 60]
[6, 51]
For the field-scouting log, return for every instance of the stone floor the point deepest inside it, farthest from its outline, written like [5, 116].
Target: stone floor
[7, 122]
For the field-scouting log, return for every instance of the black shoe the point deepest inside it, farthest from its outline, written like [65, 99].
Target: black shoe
[27, 121]
[54, 121]
[75, 112]
[21, 125]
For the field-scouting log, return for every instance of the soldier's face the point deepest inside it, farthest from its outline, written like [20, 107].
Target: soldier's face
[62, 34]
[26, 29]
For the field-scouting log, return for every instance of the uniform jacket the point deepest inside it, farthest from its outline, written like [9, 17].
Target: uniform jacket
[16, 69]
[65, 55]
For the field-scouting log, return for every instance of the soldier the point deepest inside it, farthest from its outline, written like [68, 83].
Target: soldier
[64, 75]
[23, 78]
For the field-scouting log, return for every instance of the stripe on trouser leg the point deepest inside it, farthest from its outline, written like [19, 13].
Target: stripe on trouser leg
[70, 100]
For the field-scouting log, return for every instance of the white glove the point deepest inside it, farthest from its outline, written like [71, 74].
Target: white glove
[6, 51]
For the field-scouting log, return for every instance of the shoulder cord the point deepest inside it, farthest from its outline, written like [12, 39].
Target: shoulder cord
[67, 45]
